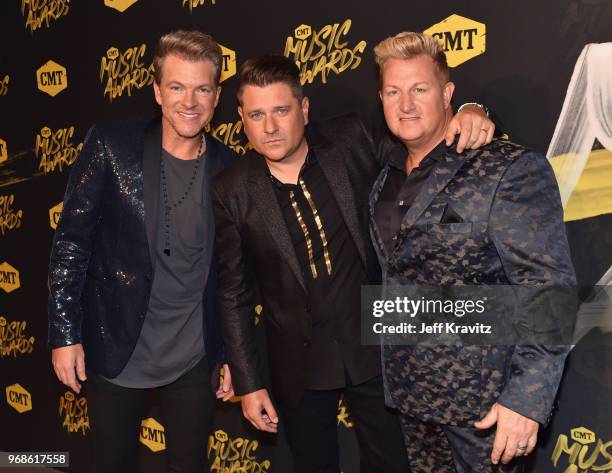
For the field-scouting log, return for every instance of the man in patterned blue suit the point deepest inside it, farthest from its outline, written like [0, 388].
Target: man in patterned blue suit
[439, 220]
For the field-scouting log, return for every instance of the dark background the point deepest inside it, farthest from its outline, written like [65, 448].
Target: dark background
[531, 49]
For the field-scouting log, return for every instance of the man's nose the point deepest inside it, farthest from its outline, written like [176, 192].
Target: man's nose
[270, 125]
[406, 102]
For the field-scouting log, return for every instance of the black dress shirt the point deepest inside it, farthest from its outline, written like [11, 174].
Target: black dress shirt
[334, 297]
[401, 189]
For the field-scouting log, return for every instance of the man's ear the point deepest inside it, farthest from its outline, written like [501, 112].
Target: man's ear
[218, 94]
[305, 106]
[240, 112]
[157, 93]
[447, 92]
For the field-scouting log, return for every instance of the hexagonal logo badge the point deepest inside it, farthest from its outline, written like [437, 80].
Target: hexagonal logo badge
[112, 53]
[18, 398]
[228, 63]
[119, 5]
[221, 436]
[302, 31]
[52, 78]
[9, 278]
[583, 435]
[462, 38]
[153, 435]
[3, 151]
[54, 215]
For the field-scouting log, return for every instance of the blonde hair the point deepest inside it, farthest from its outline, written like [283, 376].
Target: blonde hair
[190, 45]
[409, 44]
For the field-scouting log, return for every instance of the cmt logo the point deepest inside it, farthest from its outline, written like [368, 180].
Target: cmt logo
[228, 64]
[462, 38]
[18, 398]
[586, 453]
[54, 215]
[583, 435]
[9, 277]
[119, 5]
[3, 151]
[302, 32]
[52, 78]
[153, 435]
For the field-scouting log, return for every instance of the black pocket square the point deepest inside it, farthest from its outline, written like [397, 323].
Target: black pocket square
[450, 216]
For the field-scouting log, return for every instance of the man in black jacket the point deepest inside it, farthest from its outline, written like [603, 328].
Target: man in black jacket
[132, 277]
[292, 219]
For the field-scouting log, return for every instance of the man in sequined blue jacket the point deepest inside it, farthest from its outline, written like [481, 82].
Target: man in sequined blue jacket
[132, 276]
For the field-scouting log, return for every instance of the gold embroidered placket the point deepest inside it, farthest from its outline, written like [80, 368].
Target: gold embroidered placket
[298, 214]
[317, 219]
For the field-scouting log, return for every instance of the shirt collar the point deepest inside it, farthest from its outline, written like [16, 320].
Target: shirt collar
[399, 155]
[309, 162]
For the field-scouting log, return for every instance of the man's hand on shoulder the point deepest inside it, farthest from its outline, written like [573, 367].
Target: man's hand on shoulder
[69, 365]
[259, 411]
[516, 434]
[475, 129]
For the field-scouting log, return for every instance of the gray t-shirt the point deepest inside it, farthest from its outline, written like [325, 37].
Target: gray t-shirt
[171, 341]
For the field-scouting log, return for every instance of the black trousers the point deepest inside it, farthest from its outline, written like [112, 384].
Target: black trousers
[312, 433]
[116, 413]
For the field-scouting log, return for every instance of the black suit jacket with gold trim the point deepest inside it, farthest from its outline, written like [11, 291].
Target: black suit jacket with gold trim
[257, 257]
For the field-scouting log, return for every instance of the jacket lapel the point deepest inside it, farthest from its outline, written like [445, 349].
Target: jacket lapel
[150, 166]
[271, 215]
[333, 164]
[444, 171]
[379, 246]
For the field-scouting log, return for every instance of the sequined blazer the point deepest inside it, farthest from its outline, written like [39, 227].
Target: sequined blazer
[102, 258]
[508, 230]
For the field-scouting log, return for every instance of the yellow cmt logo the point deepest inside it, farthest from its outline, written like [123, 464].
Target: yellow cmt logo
[302, 32]
[153, 435]
[228, 63]
[52, 78]
[3, 151]
[9, 277]
[54, 215]
[18, 398]
[462, 38]
[583, 435]
[119, 5]
[112, 53]
[221, 436]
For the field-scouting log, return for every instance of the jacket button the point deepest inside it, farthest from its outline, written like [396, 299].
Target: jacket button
[306, 344]
[148, 277]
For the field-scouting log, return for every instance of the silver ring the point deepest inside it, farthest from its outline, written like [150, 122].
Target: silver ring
[521, 448]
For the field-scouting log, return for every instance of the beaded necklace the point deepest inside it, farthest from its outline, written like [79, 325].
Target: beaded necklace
[170, 207]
